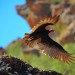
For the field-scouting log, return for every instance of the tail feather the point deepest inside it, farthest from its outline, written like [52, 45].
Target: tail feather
[27, 41]
[26, 34]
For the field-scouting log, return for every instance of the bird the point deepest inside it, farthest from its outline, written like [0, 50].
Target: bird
[40, 35]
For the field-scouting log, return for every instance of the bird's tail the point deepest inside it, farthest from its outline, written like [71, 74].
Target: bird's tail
[27, 42]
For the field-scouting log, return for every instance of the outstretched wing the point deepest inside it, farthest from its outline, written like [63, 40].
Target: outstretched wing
[54, 50]
[46, 22]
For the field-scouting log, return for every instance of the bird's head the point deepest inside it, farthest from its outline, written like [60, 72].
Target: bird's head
[49, 29]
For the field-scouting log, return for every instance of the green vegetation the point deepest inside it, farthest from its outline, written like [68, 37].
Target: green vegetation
[43, 62]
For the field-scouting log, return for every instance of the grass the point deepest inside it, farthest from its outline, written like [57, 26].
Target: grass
[43, 62]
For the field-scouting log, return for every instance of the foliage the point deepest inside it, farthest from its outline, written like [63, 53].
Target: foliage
[43, 62]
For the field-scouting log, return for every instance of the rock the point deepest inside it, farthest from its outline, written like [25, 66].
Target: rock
[2, 51]
[14, 66]
[68, 35]
[34, 11]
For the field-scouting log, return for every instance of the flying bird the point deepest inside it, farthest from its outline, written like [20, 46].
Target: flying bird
[40, 36]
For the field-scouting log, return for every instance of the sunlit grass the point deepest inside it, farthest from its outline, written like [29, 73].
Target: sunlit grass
[44, 62]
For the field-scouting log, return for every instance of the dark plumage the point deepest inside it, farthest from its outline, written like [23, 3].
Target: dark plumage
[39, 35]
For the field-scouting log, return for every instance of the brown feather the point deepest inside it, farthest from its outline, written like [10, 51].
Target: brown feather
[54, 50]
[51, 48]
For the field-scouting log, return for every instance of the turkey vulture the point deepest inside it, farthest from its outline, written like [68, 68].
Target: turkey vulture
[39, 35]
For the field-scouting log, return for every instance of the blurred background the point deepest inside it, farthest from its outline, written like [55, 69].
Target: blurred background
[18, 17]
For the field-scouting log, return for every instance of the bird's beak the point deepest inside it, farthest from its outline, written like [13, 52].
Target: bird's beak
[50, 29]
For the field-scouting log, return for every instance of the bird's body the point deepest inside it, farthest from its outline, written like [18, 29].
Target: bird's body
[39, 35]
